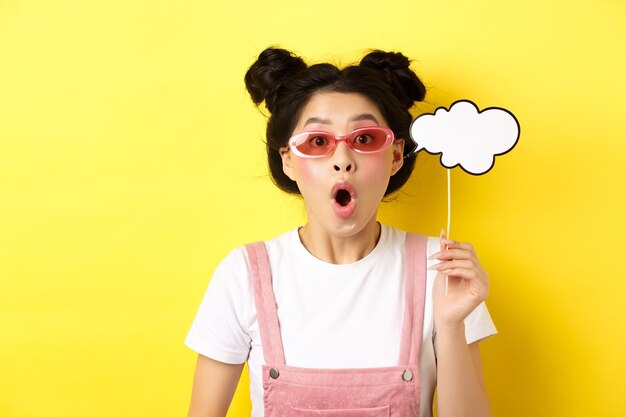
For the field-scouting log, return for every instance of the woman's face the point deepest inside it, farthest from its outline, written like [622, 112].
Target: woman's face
[342, 191]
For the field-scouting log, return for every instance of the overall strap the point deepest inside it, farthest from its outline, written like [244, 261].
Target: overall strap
[414, 298]
[267, 316]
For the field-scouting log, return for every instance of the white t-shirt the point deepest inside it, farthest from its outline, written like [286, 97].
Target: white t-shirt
[331, 316]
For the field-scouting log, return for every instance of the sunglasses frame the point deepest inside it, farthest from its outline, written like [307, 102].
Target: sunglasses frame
[291, 143]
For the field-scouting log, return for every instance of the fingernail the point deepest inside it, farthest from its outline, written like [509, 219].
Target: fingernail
[434, 256]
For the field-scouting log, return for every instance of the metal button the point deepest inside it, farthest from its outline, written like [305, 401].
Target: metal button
[407, 375]
[274, 373]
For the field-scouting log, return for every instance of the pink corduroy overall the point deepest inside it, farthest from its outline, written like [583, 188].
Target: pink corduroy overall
[393, 391]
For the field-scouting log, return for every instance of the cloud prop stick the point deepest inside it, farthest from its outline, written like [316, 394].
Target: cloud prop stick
[465, 137]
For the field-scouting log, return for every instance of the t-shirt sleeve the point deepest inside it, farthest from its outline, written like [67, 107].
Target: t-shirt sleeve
[220, 327]
[478, 324]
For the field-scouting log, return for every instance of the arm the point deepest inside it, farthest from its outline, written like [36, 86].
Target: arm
[460, 387]
[214, 385]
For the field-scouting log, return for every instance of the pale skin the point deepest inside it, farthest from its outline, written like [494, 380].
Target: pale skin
[460, 387]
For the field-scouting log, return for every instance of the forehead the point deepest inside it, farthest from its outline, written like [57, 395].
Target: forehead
[339, 109]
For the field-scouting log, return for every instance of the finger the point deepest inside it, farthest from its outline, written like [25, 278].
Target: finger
[476, 284]
[453, 254]
[446, 265]
[442, 238]
[452, 244]
[455, 268]
[463, 273]
[472, 276]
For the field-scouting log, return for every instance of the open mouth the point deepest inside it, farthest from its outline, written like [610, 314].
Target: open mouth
[343, 197]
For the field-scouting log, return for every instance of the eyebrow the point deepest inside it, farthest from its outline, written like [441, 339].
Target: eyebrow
[364, 116]
[357, 118]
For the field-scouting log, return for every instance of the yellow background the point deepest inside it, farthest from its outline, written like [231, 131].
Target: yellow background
[131, 162]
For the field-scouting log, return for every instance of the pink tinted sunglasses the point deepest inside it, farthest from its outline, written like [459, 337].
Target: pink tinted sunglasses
[317, 144]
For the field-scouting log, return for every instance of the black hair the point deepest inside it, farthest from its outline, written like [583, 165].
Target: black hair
[286, 84]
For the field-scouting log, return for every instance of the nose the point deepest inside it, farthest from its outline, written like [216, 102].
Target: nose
[343, 158]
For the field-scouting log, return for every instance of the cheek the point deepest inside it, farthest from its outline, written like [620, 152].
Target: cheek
[311, 177]
[378, 172]
[379, 166]
[308, 170]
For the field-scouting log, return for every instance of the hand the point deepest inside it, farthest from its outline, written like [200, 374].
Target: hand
[468, 283]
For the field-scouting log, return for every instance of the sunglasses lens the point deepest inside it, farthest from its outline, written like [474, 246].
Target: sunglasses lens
[369, 140]
[364, 140]
[314, 143]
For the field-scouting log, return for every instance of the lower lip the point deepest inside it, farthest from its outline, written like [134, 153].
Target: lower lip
[345, 211]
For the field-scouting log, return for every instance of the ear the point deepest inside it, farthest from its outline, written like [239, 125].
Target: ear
[398, 156]
[285, 155]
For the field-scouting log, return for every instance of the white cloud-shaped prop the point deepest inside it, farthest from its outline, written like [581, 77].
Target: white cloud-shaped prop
[465, 136]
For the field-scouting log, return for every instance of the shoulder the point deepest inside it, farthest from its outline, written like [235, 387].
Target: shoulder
[283, 243]
[398, 236]
[232, 270]
[232, 275]
[237, 259]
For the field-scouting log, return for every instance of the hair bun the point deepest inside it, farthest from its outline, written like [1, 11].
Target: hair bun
[265, 76]
[406, 84]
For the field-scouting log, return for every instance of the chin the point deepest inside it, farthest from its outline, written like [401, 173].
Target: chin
[351, 227]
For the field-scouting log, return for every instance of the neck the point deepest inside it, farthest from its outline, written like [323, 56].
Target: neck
[340, 249]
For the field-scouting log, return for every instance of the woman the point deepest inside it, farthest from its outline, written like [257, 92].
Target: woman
[341, 317]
